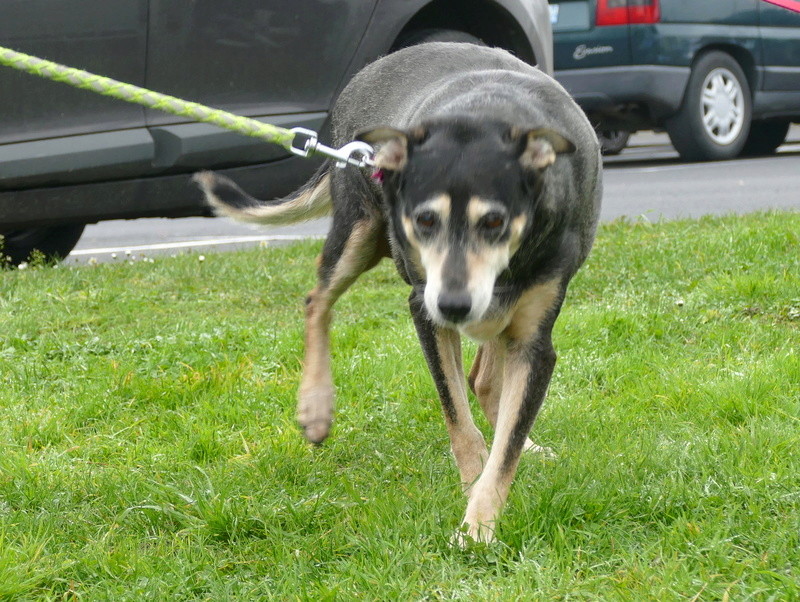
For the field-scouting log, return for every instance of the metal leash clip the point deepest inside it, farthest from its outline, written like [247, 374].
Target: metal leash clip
[358, 154]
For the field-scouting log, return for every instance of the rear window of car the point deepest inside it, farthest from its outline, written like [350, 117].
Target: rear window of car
[570, 16]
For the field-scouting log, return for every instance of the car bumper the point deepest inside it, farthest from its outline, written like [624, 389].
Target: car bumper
[660, 88]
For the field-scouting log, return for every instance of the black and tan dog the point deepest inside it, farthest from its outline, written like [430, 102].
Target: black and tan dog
[487, 197]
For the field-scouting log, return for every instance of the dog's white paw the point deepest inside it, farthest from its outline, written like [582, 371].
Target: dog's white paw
[470, 535]
[316, 431]
[315, 412]
[546, 452]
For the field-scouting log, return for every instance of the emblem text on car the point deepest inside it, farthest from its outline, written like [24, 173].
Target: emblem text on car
[582, 51]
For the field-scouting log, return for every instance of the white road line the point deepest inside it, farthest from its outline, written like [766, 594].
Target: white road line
[188, 244]
[707, 165]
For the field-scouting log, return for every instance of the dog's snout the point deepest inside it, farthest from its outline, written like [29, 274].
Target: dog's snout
[454, 307]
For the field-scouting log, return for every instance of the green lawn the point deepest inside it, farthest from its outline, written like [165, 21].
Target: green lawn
[148, 448]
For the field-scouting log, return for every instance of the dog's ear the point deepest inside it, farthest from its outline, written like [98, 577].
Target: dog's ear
[391, 147]
[538, 147]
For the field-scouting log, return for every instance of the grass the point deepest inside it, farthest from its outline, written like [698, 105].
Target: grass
[148, 448]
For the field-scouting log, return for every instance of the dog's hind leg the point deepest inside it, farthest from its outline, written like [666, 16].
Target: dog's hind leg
[486, 381]
[442, 349]
[486, 378]
[345, 256]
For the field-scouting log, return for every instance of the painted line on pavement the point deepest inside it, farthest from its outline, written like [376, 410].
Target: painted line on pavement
[710, 164]
[188, 244]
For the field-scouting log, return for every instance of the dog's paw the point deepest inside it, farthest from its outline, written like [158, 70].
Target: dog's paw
[315, 412]
[316, 432]
[468, 535]
[545, 452]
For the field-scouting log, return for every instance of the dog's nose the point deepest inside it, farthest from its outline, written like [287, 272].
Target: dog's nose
[454, 306]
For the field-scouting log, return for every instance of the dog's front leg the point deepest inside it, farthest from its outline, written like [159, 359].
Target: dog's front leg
[526, 375]
[349, 250]
[315, 398]
[442, 349]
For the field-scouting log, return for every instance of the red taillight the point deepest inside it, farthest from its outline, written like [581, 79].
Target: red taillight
[612, 12]
[643, 11]
[624, 12]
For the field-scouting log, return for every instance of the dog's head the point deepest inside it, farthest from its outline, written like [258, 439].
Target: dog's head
[462, 195]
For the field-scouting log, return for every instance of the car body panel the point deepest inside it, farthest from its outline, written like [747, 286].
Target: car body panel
[536, 15]
[198, 145]
[139, 151]
[245, 60]
[109, 39]
[721, 12]
[171, 196]
[661, 87]
[594, 47]
[77, 158]
[255, 57]
[677, 44]
[579, 44]
[780, 34]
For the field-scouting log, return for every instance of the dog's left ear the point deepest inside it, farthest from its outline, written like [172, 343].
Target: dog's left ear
[539, 147]
[391, 145]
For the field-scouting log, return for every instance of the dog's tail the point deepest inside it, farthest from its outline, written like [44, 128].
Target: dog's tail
[311, 201]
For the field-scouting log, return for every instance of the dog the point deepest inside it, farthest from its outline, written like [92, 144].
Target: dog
[486, 194]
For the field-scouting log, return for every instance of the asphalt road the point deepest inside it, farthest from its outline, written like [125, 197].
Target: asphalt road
[646, 181]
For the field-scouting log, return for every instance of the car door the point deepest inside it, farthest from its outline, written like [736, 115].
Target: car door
[51, 133]
[780, 43]
[270, 59]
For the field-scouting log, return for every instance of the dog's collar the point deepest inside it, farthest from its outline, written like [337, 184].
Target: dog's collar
[378, 175]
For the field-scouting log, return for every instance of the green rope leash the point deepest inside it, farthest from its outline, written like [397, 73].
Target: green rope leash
[153, 100]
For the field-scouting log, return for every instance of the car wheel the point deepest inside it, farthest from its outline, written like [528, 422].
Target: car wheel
[613, 142]
[765, 137]
[436, 35]
[714, 119]
[53, 242]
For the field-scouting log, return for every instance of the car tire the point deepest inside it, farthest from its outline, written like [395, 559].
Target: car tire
[612, 142]
[53, 242]
[765, 137]
[714, 119]
[436, 35]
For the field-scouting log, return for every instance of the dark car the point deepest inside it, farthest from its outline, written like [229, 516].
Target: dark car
[722, 77]
[69, 157]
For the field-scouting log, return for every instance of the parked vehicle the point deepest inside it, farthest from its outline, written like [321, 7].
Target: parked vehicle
[722, 77]
[69, 157]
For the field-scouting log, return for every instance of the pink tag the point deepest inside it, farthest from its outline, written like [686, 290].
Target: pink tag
[377, 175]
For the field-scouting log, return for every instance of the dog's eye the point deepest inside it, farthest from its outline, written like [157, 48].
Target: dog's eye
[492, 221]
[426, 220]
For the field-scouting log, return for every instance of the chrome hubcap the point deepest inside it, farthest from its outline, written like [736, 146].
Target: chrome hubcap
[723, 106]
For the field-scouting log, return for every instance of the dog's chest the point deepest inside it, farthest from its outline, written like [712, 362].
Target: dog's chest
[488, 328]
[520, 320]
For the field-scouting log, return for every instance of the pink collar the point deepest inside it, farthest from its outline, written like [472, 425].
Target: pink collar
[378, 175]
